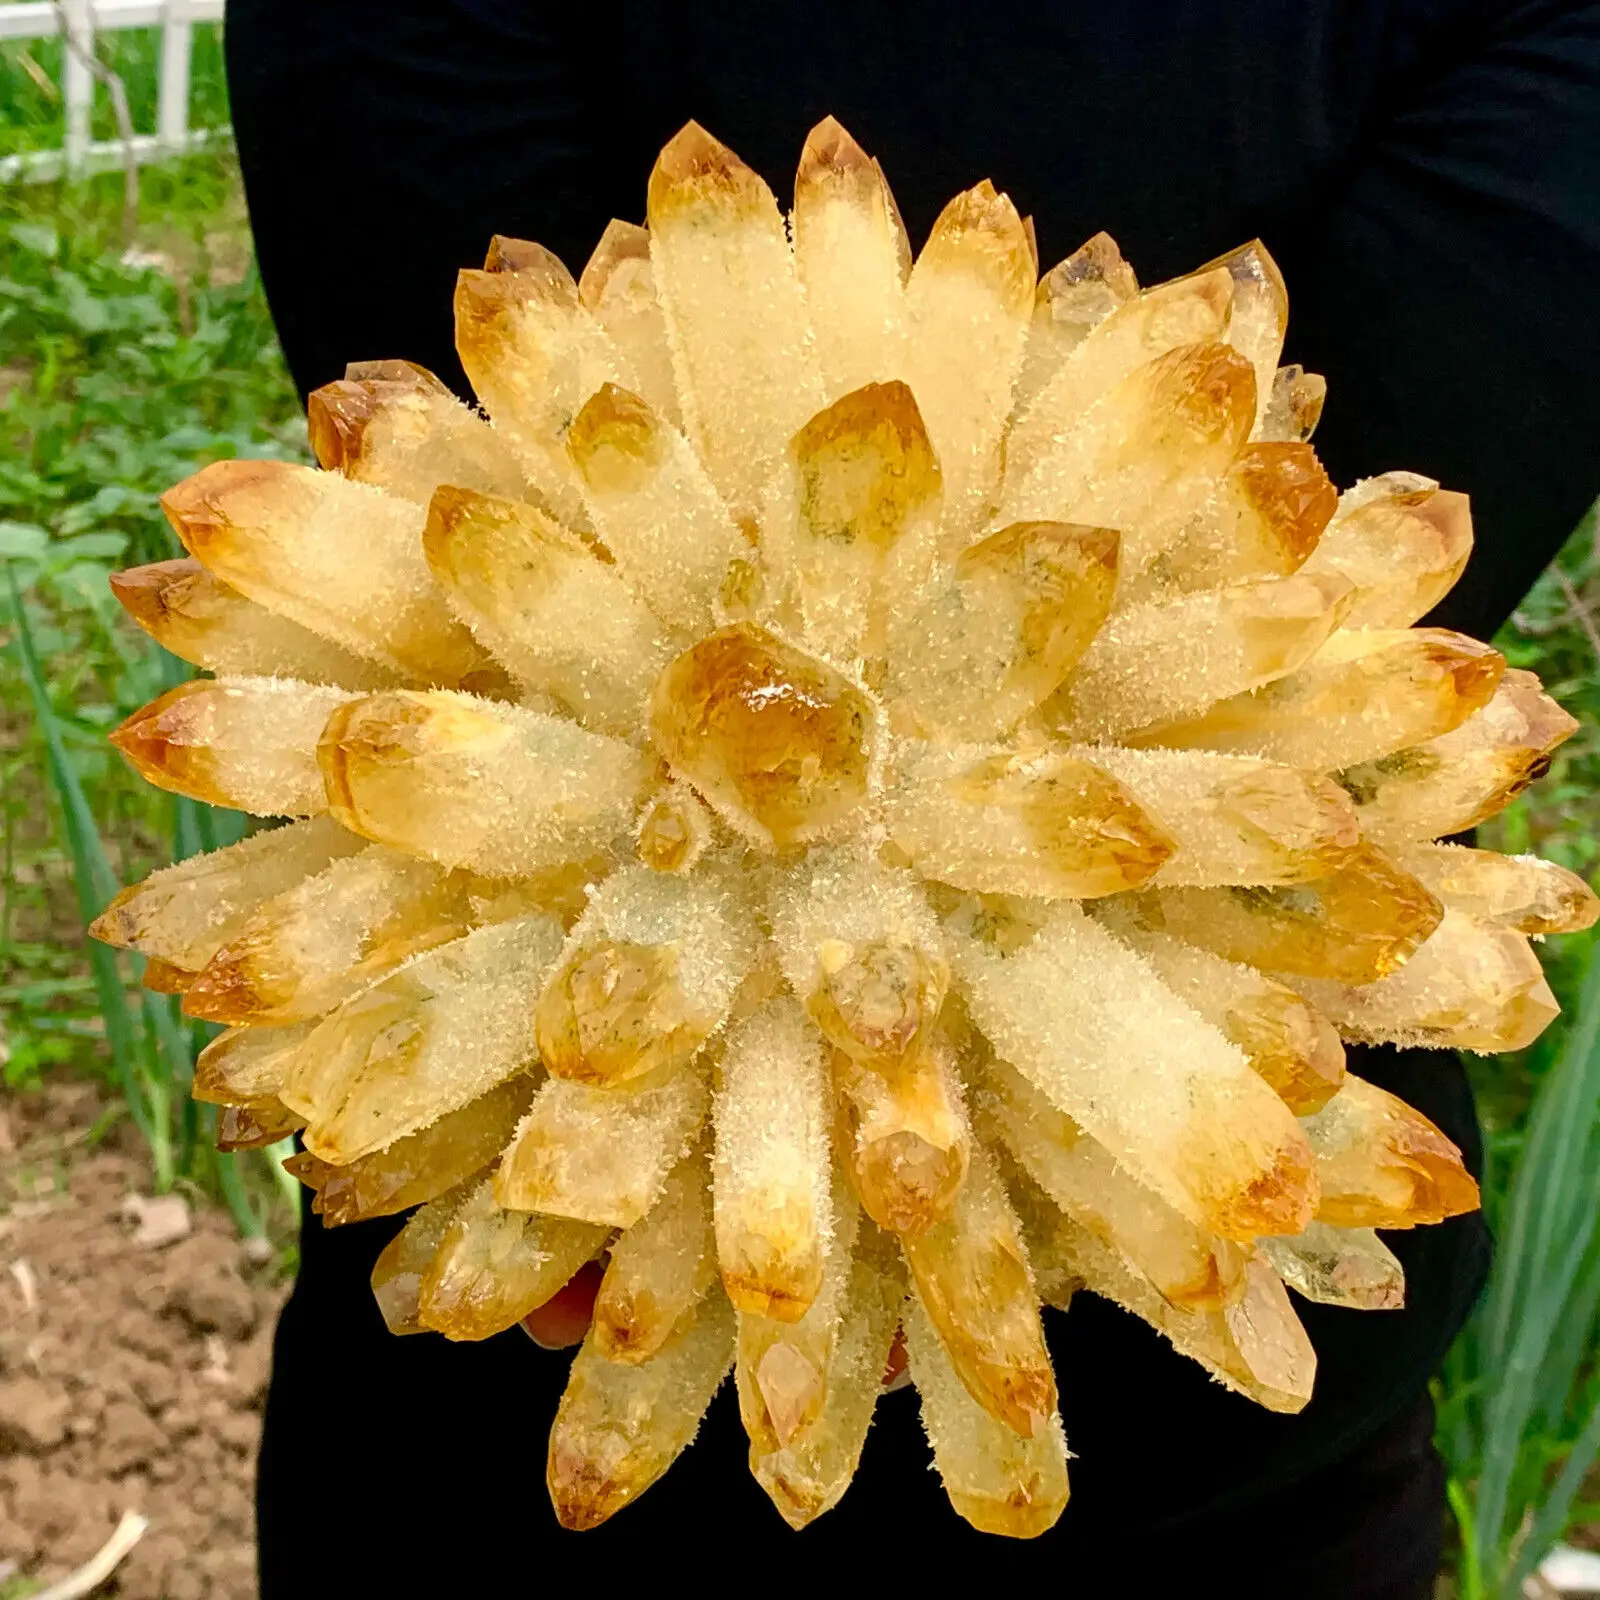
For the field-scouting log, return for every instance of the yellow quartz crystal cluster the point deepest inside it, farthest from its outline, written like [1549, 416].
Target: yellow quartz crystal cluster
[863, 793]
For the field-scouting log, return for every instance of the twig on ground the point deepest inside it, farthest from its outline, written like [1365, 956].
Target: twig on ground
[102, 1564]
[27, 1283]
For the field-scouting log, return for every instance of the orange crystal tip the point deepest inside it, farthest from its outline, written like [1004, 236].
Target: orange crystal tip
[981, 226]
[766, 732]
[696, 170]
[616, 439]
[337, 416]
[612, 1012]
[1097, 260]
[506, 254]
[165, 977]
[830, 155]
[114, 925]
[399, 375]
[485, 300]
[226, 991]
[162, 741]
[143, 592]
[1252, 262]
[251, 1127]
[784, 1292]
[1281, 1200]
[1289, 486]
[905, 1183]
[198, 510]
[621, 242]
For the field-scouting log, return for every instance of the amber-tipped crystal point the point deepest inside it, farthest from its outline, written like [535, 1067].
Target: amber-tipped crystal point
[847, 794]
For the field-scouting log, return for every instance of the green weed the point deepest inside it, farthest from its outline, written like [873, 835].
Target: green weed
[119, 374]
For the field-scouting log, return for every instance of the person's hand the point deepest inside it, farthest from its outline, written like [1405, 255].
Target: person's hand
[563, 1320]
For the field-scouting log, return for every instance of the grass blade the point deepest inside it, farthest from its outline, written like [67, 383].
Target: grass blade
[92, 876]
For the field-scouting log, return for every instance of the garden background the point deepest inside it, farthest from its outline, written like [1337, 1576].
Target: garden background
[135, 346]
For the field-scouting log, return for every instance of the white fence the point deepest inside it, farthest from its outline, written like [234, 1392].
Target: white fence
[40, 19]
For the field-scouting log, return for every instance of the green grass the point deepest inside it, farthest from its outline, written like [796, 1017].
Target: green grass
[31, 113]
[1519, 1397]
[118, 376]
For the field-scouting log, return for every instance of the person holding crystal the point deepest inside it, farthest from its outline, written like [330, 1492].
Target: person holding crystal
[1425, 173]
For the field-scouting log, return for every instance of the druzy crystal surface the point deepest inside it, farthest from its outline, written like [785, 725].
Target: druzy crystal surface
[864, 790]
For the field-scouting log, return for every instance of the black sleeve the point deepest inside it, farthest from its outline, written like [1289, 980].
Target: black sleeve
[1427, 172]
[1448, 289]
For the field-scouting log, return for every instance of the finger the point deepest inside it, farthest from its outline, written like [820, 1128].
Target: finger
[895, 1375]
[564, 1319]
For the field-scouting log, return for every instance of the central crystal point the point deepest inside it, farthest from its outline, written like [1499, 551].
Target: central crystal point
[776, 739]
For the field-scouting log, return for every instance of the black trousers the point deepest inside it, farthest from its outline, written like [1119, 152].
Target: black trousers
[1423, 170]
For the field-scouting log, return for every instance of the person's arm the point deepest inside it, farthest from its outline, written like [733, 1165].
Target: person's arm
[1449, 288]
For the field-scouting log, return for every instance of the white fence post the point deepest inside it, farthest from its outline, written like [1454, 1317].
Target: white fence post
[172, 103]
[81, 153]
[77, 82]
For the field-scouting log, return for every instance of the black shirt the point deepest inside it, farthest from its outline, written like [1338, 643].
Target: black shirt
[1427, 173]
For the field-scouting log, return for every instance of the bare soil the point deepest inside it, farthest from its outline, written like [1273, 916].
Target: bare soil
[132, 1373]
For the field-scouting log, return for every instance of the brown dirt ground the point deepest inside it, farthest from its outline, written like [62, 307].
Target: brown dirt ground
[131, 1376]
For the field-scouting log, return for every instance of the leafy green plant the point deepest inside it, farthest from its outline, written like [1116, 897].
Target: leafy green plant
[1518, 1392]
[31, 110]
[120, 372]
[1520, 1401]
[152, 1045]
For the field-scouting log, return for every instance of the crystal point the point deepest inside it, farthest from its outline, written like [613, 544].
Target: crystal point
[399, 429]
[184, 913]
[972, 1277]
[620, 1426]
[545, 604]
[904, 1138]
[851, 250]
[200, 619]
[778, 741]
[1383, 1165]
[1263, 520]
[1452, 783]
[969, 300]
[971, 656]
[601, 1154]
[1034, 821]
[1473, 985]
[997, 1479]
[1339, 1267]
[247, 743]
[469, 782]
[1174, 1102]
[1187, 1266]
[493, 1267]
[420, 1167]
[336, 556]
[773, 1210]
[722, 263]
[618, 287]
[659, 1268]
[1518, 892]
[1358, 923]
[1365, 695]
[315, 944]
[1402, 547]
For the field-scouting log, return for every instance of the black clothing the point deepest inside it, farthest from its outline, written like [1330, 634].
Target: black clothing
[1427, 172]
